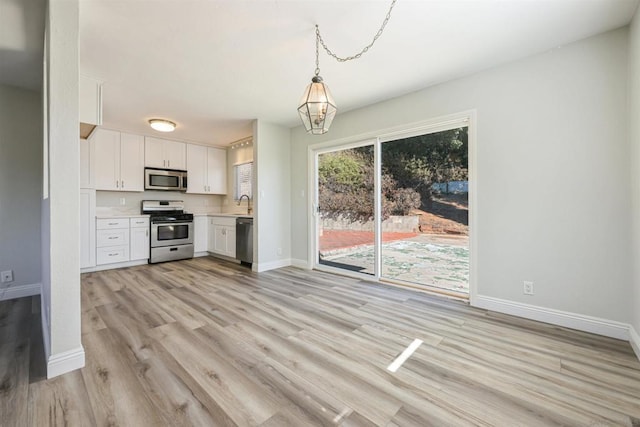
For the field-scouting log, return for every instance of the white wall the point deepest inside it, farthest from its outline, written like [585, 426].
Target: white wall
[20, 189]
[61, 212]
[556, 117]
[634, 138]
[272, 229]
[236, 156]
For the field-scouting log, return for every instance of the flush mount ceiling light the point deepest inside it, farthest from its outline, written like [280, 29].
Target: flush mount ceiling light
[317, 109]
[162, 125]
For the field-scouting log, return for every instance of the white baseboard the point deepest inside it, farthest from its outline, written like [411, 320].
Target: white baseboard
[19, 291]
[199, 254]
[608, 328]
[115, 265]
[300, 263]
[265, 266]
[67, 361]
[634, 340]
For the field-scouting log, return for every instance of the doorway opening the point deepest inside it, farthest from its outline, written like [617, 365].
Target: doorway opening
[397, 209]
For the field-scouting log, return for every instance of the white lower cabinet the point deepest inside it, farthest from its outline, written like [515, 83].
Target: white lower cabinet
[122, 240]
[112, 240]
[139, 230]
[200, 234]
[222, 235]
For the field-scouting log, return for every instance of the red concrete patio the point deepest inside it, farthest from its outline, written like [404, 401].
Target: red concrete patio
[340, 239]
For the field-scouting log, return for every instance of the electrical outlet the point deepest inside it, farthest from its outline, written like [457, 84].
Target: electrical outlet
[279, 251]
[123, 201]
[528, 288]
[6, 276]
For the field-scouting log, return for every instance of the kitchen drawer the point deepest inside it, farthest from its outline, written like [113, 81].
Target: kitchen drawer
[112, 254]
[228, 221]
[139, 222]
[106, 238]
[111, 223]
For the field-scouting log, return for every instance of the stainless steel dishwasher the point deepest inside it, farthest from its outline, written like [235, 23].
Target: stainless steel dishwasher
[244, 239]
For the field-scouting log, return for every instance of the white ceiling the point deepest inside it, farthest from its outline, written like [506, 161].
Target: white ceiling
[213, 66]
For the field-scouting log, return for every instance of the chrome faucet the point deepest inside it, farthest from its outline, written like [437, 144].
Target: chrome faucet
[248, 203]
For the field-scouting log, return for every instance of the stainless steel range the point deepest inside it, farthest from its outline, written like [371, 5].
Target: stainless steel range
[171, 230]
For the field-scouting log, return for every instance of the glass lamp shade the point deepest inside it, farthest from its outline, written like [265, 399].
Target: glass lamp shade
[317, 108]
[162, 125]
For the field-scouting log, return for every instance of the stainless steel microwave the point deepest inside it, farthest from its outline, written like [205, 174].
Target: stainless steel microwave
[165, 179]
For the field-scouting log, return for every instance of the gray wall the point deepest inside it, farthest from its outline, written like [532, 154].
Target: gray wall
[561, 115]
[20, 184]
[634, 138]
[272, 224]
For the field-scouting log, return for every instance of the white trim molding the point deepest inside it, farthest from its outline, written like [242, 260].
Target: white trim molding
[581, 322]
[634, 340]
[124, 264]
[64, 362]
[272, 265]
[19, 291]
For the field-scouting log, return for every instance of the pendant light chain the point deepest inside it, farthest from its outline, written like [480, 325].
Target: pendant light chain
[357, 55]
[317, 51]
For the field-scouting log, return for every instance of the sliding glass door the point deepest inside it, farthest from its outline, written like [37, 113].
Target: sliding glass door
[397, 208]
[345, 208]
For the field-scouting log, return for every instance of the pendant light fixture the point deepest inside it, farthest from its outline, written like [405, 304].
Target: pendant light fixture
[317, 109]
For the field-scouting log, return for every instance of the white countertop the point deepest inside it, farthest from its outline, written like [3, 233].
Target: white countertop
[106, 215]
[234, 215]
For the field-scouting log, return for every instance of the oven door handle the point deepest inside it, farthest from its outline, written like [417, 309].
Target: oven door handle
[172, 223]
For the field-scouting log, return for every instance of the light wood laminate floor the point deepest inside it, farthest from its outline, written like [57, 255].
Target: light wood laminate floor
[209, 343]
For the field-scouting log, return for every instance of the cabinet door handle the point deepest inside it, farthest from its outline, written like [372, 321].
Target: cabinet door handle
[122, 183]
[117, 184]
[112, 237]
[168, 163]
[113, 223]
[146, 232]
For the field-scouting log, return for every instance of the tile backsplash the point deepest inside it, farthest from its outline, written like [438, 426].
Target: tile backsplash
[194, 203]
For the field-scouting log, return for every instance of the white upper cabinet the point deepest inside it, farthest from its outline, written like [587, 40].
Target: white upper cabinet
[89, 104]
[196, 169]
[164, 154]
[119, 164]
[87, 164]
[217, 170]
[107, 165]
[207, 168]
[131, 162]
